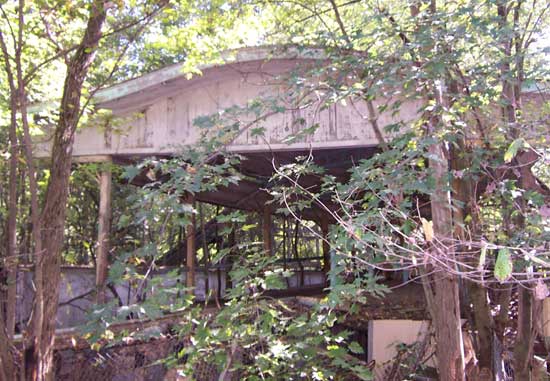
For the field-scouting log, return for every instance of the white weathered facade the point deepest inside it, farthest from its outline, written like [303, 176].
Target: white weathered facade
[157, 111]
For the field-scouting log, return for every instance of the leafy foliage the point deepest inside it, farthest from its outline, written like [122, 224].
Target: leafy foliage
[452, 77]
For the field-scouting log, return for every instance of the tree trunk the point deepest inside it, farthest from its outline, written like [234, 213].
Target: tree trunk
[511, 95]
[441, 288]
[47, 270]
[10, 262]
[502, 295]
[480, 311]
[445, 312]
[12, 257]
[525, 335]
[439, 283]
[8, 369]
[484, 327]
[27, 369]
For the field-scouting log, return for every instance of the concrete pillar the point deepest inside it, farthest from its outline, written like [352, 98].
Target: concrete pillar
[191, 248]
[104, 229]
[267, 229]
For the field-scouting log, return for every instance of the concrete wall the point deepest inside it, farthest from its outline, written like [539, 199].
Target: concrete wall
[385, 335]
[80, 281]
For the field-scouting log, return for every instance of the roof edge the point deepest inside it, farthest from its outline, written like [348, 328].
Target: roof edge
[241, 55]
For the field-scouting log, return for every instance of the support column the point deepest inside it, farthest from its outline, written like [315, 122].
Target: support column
[266, 232]
[206, 255]
[191, 248]
[545, 322]
[231, 243]
[104, 229]
[326, 245]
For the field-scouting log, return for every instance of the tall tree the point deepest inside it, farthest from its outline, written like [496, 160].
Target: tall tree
[10, 261]
[48, 261]
[77, 49]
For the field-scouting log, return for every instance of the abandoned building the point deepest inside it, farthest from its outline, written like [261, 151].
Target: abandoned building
[159, 110]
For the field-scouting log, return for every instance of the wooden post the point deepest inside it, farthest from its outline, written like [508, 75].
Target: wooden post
[206, 255]
[285, 234]
[296, 254]
[219, 247]
[326, 245]
[545, 322]
[191, 246]
[231, 243]
[104, 229]
[266, 232]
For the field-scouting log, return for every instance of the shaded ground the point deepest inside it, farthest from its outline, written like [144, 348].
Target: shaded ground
[137, 360]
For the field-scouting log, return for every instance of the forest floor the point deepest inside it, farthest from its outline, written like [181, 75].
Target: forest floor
[136, 359]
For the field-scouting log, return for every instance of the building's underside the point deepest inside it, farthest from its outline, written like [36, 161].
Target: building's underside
[258, 168]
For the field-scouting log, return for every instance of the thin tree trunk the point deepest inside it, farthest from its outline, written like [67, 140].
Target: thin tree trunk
[511, 95]
[8, 369]
[441, 288]
[27, 148]
[442, 291]
[284, 252]
[484, 327]
[25, 228]
[525, 337]
[463, 191]
[502, 296]
[47, 271]
[10, 263]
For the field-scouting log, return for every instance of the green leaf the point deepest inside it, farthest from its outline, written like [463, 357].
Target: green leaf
[503, 265]
[116, 271]
[513, 149]
[258, 131]
[130, 172]
[356, 348]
